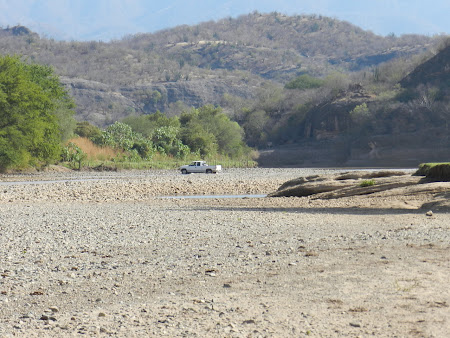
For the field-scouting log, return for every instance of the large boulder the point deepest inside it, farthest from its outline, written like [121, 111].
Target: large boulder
[346, 184]
[386, 189]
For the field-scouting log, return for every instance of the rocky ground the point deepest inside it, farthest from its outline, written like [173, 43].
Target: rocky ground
[104, 254]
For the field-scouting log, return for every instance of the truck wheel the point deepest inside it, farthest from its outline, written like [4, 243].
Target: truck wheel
[208, 171]
[184, 171]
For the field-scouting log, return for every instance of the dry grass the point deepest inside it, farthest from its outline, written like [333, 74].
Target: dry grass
[93, 151]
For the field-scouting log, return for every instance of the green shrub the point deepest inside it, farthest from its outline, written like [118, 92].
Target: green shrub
[88, 130]
[367, 183]
[74, 155]
[305, 82]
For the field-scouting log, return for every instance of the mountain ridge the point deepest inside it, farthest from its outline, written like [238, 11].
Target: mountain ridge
[242, 55]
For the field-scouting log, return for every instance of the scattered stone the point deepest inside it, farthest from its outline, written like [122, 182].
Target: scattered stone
[47, 317]
[54, 309]
[123, 239]
[311, 254]
[429, 213]
[27, 316]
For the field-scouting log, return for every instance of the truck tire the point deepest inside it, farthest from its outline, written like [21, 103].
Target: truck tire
[184, 171]
[208, 171]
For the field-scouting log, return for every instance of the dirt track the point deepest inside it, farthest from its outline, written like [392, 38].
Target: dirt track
[109, 257]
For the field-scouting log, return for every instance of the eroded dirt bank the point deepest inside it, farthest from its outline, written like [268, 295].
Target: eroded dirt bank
[107, 257]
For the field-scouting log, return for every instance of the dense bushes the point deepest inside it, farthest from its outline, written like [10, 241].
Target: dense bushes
[204, 132]
[121, 136]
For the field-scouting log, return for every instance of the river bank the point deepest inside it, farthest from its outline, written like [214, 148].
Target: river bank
[103, 254]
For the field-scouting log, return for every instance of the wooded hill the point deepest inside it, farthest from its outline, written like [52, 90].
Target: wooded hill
[314, 90]
[378, 122]
[196, 65]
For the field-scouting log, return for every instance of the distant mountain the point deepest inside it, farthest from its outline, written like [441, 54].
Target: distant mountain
[17, 31]
[277, 46]
[196, 65]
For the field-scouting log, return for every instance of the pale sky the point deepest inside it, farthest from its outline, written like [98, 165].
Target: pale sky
[113, 19]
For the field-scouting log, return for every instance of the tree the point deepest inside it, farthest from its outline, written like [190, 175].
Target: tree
[360, 114]
[164, 139]
[88, 130]
[64, 105]
[254, 126]
[30, 96]
[147, 124]
[198, 139]
[304, 82]
[117, 136]
[209, 124]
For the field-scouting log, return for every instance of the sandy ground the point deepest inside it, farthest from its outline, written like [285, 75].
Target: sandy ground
[103, 254]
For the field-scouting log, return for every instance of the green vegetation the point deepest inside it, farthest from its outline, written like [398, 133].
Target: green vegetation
[73, 155]
[367, 183]
[279, 81]
[35, 114]
[205, 131]
[36, 120]
[159, 142]
[360, 113]
[146, 72]
[86, 129]
[305, 82]
[436, 171]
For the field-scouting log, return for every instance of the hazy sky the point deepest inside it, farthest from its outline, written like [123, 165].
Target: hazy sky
[113, 19]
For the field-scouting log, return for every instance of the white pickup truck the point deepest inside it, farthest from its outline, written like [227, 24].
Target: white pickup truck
[200, 167]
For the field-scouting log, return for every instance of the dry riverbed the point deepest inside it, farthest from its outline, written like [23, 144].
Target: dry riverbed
[104, 254]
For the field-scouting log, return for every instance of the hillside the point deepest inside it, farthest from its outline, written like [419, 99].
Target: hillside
[404, 125]
[435, 71]
[196, 65]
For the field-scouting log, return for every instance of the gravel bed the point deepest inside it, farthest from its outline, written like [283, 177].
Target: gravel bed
[102, 254]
